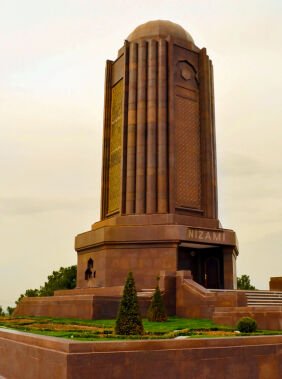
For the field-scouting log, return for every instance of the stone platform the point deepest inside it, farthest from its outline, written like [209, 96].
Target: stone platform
[182, 295]
[25, 356]
[88, 303]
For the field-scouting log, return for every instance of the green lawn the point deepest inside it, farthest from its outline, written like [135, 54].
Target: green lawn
[172, 324]
[103, 330]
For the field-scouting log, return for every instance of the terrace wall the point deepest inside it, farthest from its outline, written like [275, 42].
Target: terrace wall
[27, 356]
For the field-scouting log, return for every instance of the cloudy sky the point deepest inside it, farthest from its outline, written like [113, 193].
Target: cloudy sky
[52, 59]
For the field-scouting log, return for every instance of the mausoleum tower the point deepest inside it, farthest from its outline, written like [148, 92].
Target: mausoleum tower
[159, 184]
[159, 136]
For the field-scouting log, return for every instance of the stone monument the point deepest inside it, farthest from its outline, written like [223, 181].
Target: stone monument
[159, 195]
[159, 183]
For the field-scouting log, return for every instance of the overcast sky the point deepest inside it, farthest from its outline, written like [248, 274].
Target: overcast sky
[52, 60]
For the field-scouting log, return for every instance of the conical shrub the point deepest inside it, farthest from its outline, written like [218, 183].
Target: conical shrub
[157, 311]
[129, 319]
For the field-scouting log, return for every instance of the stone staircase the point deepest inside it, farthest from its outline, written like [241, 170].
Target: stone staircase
[264, 306]
[264, 298]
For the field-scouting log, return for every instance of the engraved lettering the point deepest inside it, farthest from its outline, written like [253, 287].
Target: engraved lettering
[190, 233]
[208, 236]
[216, 236]
[201, 235]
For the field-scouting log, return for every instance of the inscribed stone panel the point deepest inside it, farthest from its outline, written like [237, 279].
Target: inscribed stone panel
[115, 148]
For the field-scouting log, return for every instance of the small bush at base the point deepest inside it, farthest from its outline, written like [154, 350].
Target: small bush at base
[247, 325]
[129, 321]
[157, 311]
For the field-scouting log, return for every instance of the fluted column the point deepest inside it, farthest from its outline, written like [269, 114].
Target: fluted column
[131, 133]
[141, 128]
[106, 139]
[206, 135]
[162, 128]
[151, 174]
[215, 214]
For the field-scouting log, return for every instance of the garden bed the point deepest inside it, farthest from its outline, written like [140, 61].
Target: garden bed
[101, 330]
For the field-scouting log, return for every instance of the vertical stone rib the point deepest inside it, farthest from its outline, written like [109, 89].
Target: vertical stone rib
[206, 135]
[106, 139]
[141, 128]
[215, 214]
[162, 128]
[151, 177]
[131, 130]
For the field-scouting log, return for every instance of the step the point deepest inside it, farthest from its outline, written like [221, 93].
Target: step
[264, 299]
[264, 302]
[263, 295]
[260, 293]
[251, 308]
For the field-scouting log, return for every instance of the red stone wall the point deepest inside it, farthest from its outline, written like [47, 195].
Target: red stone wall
[25, 356]
[113, 263]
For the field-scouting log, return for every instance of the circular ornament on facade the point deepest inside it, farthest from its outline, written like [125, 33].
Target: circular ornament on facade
[186, 74]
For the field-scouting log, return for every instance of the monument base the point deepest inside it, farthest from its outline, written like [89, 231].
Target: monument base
[148, 244]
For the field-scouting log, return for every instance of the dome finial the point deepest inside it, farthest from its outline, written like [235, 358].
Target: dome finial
[158, 29]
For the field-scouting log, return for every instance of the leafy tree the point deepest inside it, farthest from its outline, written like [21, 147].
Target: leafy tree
[65, 278]
[28, 293]
[128, 319]
[157, 311]
[2, 313]
[10, 310]
[244, 283]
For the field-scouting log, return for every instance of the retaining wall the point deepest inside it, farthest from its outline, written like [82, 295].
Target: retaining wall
[29, 356]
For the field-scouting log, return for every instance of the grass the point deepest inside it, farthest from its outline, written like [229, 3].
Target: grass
[173, 323]
[103, 330]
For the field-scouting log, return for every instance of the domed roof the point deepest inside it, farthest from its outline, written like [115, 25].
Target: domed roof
[159, 28]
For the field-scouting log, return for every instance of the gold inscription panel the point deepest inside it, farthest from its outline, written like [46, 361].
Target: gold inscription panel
[207, 235]
[115, 148]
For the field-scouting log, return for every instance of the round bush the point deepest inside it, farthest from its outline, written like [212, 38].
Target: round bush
[247, 325]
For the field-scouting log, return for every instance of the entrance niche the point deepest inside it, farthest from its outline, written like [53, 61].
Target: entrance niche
[188, 259]
[212, 273]
[88, 272]
[205, 264]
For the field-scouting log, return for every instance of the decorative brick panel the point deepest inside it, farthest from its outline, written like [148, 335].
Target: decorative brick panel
[187, 138]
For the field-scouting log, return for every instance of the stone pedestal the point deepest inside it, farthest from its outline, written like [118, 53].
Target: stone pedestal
[149, 244]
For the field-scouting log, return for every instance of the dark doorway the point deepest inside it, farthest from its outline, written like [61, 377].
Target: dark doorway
[205, 264]
[212, 273]
[188, 259]
[88, 272]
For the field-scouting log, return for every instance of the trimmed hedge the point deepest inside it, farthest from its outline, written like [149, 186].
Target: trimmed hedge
[247, 325]
[129, 321]
[157, 311]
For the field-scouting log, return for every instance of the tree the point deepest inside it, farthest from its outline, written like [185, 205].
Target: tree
[65, 278]
[128, 319]
[28, 293]
[2, 313]
[157, 311]
[10, 310]
[244, 283]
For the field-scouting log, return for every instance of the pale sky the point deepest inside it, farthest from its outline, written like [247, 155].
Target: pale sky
[52, 60]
